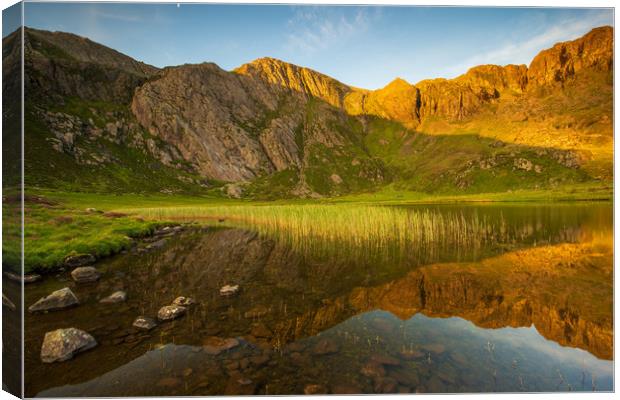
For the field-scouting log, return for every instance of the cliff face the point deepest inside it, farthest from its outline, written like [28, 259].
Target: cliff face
[566, 60]
[259, 120]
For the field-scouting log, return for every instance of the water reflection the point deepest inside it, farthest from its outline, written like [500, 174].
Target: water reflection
[532, 313]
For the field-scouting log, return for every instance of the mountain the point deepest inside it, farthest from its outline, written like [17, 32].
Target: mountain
[97, 120]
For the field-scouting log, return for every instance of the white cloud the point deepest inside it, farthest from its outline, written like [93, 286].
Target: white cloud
[317, 28]
[524, 51]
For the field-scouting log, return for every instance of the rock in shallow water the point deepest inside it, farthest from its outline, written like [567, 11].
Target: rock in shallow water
[215, 345]
[326, 346]
[27, 278]
[229, 290]
[183, 301]
[144, 323]
[85, 274]
[8, 303]
[63, 344]
[57, 300]
[315, 389]
[168, 313]
[79, 260]
[116, 297]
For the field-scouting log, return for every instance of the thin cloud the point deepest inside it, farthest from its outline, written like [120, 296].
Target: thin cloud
[523, 52]
[117, 17]
[313, 28]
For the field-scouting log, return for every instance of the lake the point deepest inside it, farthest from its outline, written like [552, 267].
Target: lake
[516, 298]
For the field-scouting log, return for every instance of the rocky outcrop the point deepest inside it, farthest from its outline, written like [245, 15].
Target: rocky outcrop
[297, 79]
[217, 120]
[567, 59]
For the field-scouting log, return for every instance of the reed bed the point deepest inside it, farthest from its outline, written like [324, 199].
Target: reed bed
[344, 226]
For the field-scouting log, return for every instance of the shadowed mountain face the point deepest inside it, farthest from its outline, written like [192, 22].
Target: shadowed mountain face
[292, 131]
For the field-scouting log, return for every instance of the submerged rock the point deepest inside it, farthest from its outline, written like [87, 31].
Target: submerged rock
[385, 359]
[85, 274]
[57, 300]
[215, 345]
[385, 385]
[411, 354]
[27, 278]
[168, 313]
[8, 303]
[256, 312]
[373, 370]
[63, 344]
[315, 389]
[79, 260]
[229, 290]
[240, 386]
[259, 330]
[144, 323]
[157, 245]
[326, 346]
[183, 301]
[116, 297]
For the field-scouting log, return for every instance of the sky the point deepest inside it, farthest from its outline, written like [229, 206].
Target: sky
[365, 46]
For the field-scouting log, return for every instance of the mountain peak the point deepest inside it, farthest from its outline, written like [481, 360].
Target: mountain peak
[69, 46]
[397, 84]
[296, 78]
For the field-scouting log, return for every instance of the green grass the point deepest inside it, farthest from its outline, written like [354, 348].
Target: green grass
[52, 232]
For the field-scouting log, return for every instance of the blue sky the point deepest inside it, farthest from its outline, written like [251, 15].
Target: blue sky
[361, 46]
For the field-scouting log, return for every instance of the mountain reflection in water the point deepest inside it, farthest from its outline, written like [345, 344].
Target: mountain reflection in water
[532, 312]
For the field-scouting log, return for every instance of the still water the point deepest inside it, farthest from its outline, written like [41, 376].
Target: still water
[530, 310]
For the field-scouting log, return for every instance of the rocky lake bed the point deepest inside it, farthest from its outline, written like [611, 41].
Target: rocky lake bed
[221, 310]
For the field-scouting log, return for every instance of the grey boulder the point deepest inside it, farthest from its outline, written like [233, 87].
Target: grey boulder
[85, 274]
[168, 313]
[63, 344]
[116, 297]
[57, 300]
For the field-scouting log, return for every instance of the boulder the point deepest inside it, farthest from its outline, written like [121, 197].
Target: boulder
[116, 297]
[229, 290]
[63, 344]
[85, 274]
[183, 301]
[215, 345]
[168, 313]
[57, 300]
[79, 260]
[144, 323]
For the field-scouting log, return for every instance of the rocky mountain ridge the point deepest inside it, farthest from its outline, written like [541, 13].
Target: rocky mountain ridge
[272, 123]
